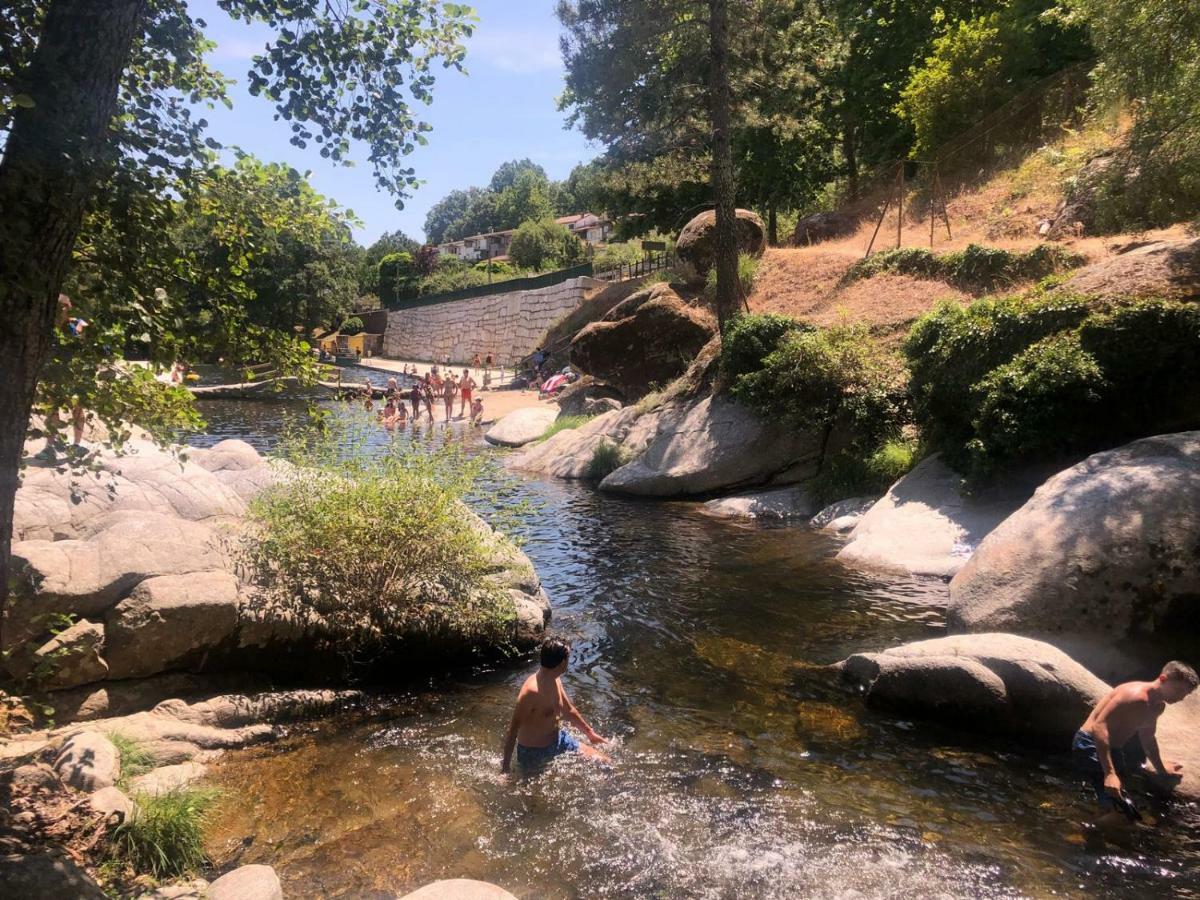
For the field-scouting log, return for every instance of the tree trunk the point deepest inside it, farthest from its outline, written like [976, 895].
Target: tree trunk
[51, 158]
[725, 229]
[850, 154]
[772, 225]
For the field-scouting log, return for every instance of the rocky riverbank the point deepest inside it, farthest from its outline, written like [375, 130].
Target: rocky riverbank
[132, 569]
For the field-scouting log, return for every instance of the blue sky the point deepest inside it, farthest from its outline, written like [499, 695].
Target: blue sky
[503, 109]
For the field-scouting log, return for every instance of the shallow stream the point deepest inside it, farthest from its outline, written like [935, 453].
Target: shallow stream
[739, 771]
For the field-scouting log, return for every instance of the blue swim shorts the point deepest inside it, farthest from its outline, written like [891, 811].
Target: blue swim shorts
[531, 757]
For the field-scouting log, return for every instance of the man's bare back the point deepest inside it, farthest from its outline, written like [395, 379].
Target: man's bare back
[536, 731]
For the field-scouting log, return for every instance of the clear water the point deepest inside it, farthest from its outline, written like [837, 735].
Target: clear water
[740, 771]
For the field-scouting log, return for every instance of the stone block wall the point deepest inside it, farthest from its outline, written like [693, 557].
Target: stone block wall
[508, 325]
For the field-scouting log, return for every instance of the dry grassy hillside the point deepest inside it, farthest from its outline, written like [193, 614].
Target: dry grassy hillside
[1001, 209]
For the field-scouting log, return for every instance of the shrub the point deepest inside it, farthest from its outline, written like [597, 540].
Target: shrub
[544, 244]
[814, 379]
[975, 268]
[352, 326]
[1038, 406]
[853, 473]
[398, 277]
[606, 459]
[747, 271]
[165, 837]
[452, 277]
[751, 339]
[372, 550]
[563, 423]
[617, 254]
[952, 347]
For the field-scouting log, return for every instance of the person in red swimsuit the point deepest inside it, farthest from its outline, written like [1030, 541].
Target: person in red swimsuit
[465, 386]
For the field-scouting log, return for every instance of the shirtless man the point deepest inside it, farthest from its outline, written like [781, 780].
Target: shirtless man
[1120, 734]
[536, 728]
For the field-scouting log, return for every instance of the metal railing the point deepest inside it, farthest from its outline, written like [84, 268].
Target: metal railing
[653, 262]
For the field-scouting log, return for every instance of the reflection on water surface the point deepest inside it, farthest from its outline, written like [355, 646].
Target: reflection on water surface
[739, 771]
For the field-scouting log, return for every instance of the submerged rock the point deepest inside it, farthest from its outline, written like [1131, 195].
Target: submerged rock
[460, 889]
[781, 503]
[989, 682]
[522, 426]
[924, 525]
[842, 516]
[1103, 561]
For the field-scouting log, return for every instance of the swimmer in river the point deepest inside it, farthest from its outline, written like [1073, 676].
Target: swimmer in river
[1119, 736]
[536, 729]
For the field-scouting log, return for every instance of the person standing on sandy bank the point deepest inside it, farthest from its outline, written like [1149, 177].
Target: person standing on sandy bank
[536, 730]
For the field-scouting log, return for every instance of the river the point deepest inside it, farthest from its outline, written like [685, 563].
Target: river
[739, 771]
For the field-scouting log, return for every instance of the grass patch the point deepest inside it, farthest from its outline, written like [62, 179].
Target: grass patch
[650, 402]
[134, 760]
[848, 475]
[747, 271]
[606, 459]
[165, 837]
[563, 423]
[976, 268]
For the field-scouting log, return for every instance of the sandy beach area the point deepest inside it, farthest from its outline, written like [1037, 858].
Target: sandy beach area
[497, 402]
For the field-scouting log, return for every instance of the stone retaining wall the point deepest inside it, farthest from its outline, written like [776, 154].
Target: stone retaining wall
[508, 325]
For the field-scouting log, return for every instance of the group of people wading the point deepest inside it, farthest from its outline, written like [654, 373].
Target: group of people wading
[426, 391]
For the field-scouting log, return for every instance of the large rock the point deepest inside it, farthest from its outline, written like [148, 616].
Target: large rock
[1163, 269]
[522, 426]
[51, 506]
[924, 525]
[696, 245]
[569, 453]
[707, 445]
[989, 682]
[647, 340]
[86, 577]
[780, 503]
[170, 621]
[46, 875]
[823, 226]
[71, 658]
[247, 883]
[459, 889]
[88, 761]
[1103, 561]
[844, 515]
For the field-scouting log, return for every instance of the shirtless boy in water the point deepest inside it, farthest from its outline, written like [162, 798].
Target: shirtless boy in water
[536, 728]
[1119, 736]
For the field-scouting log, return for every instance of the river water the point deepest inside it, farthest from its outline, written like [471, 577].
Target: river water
[739, 771]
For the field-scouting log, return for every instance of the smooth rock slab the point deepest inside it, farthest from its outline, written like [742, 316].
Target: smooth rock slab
[706, 445]
[168, 621]
[1102, 561]
[247, 883]
[985, 682]
[460, 889]
[111, 801]
[88, 761]
[781, 503]
[71, 658]
[924, 525]
[167, 779]
[522, 426]
[568, 454]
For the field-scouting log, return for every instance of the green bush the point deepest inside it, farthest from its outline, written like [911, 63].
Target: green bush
[618, 254]
[854, 473]
[752, 338]
[134, 760]
[501, 269]
[953, 347]
[397, 277]
[840, 375]
[1042, 404]
[544, 244]
[606, 459]
[165, 836]
[375, 549]
[747, 271]
[353, 325]
[975, 268]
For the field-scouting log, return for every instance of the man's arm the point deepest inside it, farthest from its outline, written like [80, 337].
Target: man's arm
[574, 716]
[1112, 781]
[1149, 739]
[510, 739]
